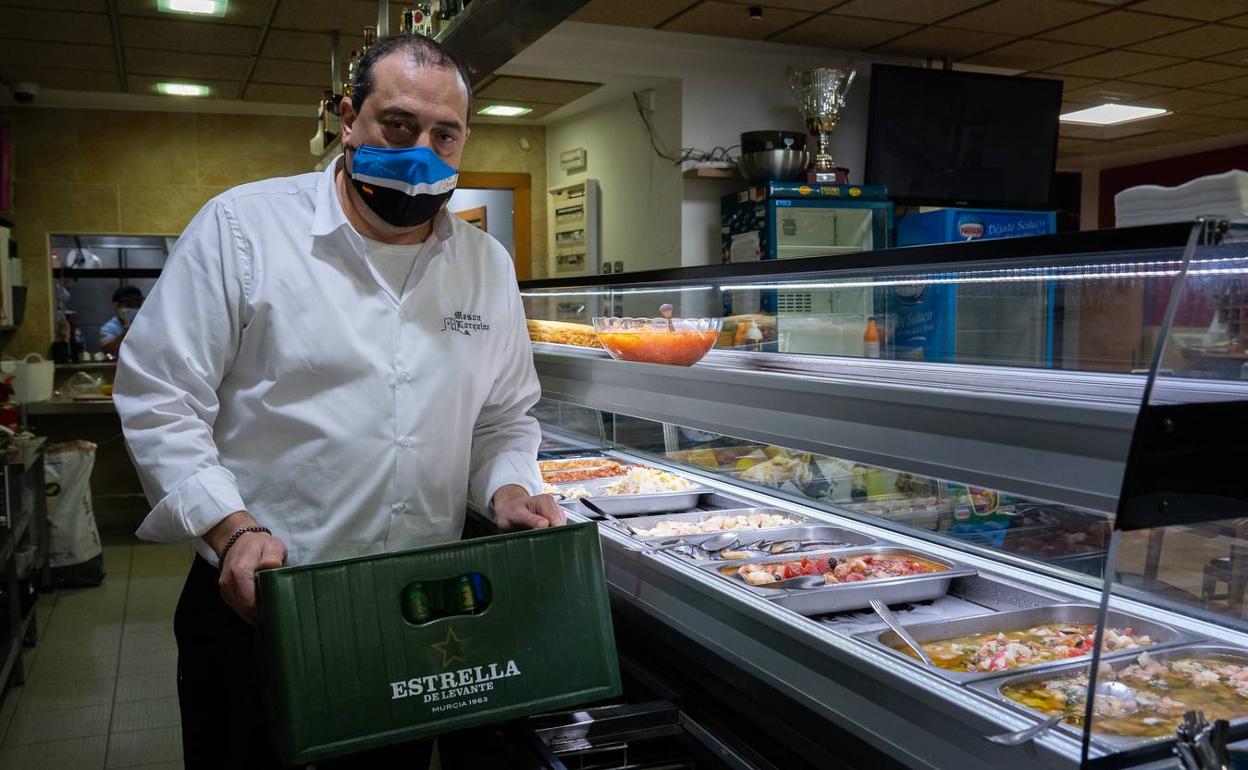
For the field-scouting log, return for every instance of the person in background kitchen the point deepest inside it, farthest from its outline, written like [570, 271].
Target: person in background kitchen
[128, 300]
[330, 365]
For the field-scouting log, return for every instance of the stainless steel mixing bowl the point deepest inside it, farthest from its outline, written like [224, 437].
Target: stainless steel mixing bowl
[773, 165]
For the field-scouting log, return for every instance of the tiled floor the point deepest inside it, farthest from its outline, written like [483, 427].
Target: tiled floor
[101, 690]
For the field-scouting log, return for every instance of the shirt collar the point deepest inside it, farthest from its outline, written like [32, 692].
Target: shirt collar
[329, 216]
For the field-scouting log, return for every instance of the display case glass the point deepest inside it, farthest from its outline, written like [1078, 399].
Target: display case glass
[982, 398]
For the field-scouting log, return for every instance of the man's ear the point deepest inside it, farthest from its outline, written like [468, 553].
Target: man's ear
[347, 113]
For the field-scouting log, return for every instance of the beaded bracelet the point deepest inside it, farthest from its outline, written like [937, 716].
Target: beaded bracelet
[234, 538]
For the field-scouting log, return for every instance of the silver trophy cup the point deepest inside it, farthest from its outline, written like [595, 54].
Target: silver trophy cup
[821, 97]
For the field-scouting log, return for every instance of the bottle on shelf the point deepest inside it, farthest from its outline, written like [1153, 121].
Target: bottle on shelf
[352, 65]
[754, 336]
[871, 340]
[450, 9]
[435, 17]
[370, 37]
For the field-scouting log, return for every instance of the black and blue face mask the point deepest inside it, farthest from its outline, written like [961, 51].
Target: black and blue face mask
[405, 186]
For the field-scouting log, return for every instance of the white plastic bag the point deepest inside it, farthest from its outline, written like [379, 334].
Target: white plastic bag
[73, 536]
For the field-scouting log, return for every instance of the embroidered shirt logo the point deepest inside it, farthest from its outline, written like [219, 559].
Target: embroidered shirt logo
[464, 323]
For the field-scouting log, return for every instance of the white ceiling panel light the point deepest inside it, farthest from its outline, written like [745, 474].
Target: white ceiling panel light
[182, 89]
[504, 111]
[1111, 114]
[196, 7]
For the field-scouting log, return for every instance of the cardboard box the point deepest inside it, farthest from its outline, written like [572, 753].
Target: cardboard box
[347, 672]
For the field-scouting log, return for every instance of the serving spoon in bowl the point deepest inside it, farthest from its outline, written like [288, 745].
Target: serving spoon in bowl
[666, 310]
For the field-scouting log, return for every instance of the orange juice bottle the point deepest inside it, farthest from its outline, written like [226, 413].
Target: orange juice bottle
[871, 340]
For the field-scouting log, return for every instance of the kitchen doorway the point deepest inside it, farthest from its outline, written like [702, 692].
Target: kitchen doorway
[498, 203]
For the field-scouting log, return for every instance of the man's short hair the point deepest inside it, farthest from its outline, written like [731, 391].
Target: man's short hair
[422, 51]
[127, 294]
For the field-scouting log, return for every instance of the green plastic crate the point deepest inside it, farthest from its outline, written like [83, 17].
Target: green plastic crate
[347, 672]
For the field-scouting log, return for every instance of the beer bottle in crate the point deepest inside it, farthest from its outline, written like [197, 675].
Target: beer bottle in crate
[416, 605]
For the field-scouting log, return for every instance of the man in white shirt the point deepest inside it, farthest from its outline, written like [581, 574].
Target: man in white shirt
[329, 366]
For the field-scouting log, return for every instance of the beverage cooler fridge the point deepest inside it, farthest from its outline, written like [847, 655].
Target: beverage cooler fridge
[1043, 530]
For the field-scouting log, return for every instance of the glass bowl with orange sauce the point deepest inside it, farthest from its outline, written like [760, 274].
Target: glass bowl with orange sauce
[678, 342]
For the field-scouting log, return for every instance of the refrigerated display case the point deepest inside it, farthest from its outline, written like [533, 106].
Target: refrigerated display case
[1005, 473]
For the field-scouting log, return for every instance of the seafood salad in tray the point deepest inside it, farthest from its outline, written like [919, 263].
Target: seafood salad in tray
[1000, 642]
[851, 578]
[1142, 697]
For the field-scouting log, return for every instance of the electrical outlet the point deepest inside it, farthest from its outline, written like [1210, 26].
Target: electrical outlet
[647, 100]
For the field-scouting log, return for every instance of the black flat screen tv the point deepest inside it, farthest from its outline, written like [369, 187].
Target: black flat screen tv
[948, 138]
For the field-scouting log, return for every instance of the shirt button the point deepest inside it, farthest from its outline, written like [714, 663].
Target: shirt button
[399, 507]
[405, 377]
[406, 443]
[402, 316]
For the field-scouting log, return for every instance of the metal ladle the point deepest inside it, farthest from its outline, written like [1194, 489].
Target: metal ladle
[713, 544]
[1030, 734]
[894, 623]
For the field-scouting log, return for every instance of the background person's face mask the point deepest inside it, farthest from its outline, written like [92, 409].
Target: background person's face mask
[127, 314]
[405, 186]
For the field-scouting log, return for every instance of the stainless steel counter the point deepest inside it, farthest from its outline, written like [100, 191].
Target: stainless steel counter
[915, 715]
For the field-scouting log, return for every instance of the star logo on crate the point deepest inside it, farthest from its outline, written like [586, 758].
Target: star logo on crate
[452, 648]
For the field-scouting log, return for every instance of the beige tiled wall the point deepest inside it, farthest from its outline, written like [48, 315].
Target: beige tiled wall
[103, 171]
[496, 147]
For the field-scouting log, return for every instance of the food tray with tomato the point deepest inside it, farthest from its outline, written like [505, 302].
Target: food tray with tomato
[852, 593]
[1069, 624]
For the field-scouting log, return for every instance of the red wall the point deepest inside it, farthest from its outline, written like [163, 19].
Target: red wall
[1168, 172]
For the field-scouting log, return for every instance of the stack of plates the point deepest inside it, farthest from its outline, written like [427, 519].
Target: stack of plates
[1218, 195]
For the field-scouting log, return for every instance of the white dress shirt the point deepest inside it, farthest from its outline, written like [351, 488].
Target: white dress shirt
[273, 370]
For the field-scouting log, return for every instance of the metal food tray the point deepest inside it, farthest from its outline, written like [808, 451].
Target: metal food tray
[1162, 635]
[993, 687]
[570, 460]
[853, 596]
[650, 522]
[640, 504]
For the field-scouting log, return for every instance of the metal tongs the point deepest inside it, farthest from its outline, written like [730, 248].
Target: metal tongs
[1200, 745]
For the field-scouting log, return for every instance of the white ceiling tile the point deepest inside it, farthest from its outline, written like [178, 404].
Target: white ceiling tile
[732, 20]
[1030, 54]
[62, 79]
[1117, 28]
[1021, 17]
[630, 13]
[173, 64]
[1115, 64]
[918, 12]
[1205, 10]
[294, 73]
[192, 36]
[843, 33]
[940, 42]
[308, 46]
[347, 16]
[60, 26]
[58, 55]
[1197, 42]
[269, 92]
[1189, 74]
[1237, 86]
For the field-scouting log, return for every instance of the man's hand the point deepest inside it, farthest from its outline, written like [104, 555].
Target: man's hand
[251, 552]
[515, 508]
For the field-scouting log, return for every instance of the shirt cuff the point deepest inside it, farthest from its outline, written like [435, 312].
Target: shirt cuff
[193, 507]
[518, 468]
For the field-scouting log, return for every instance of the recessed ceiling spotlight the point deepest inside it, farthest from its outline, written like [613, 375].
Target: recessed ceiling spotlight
[756, 13]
